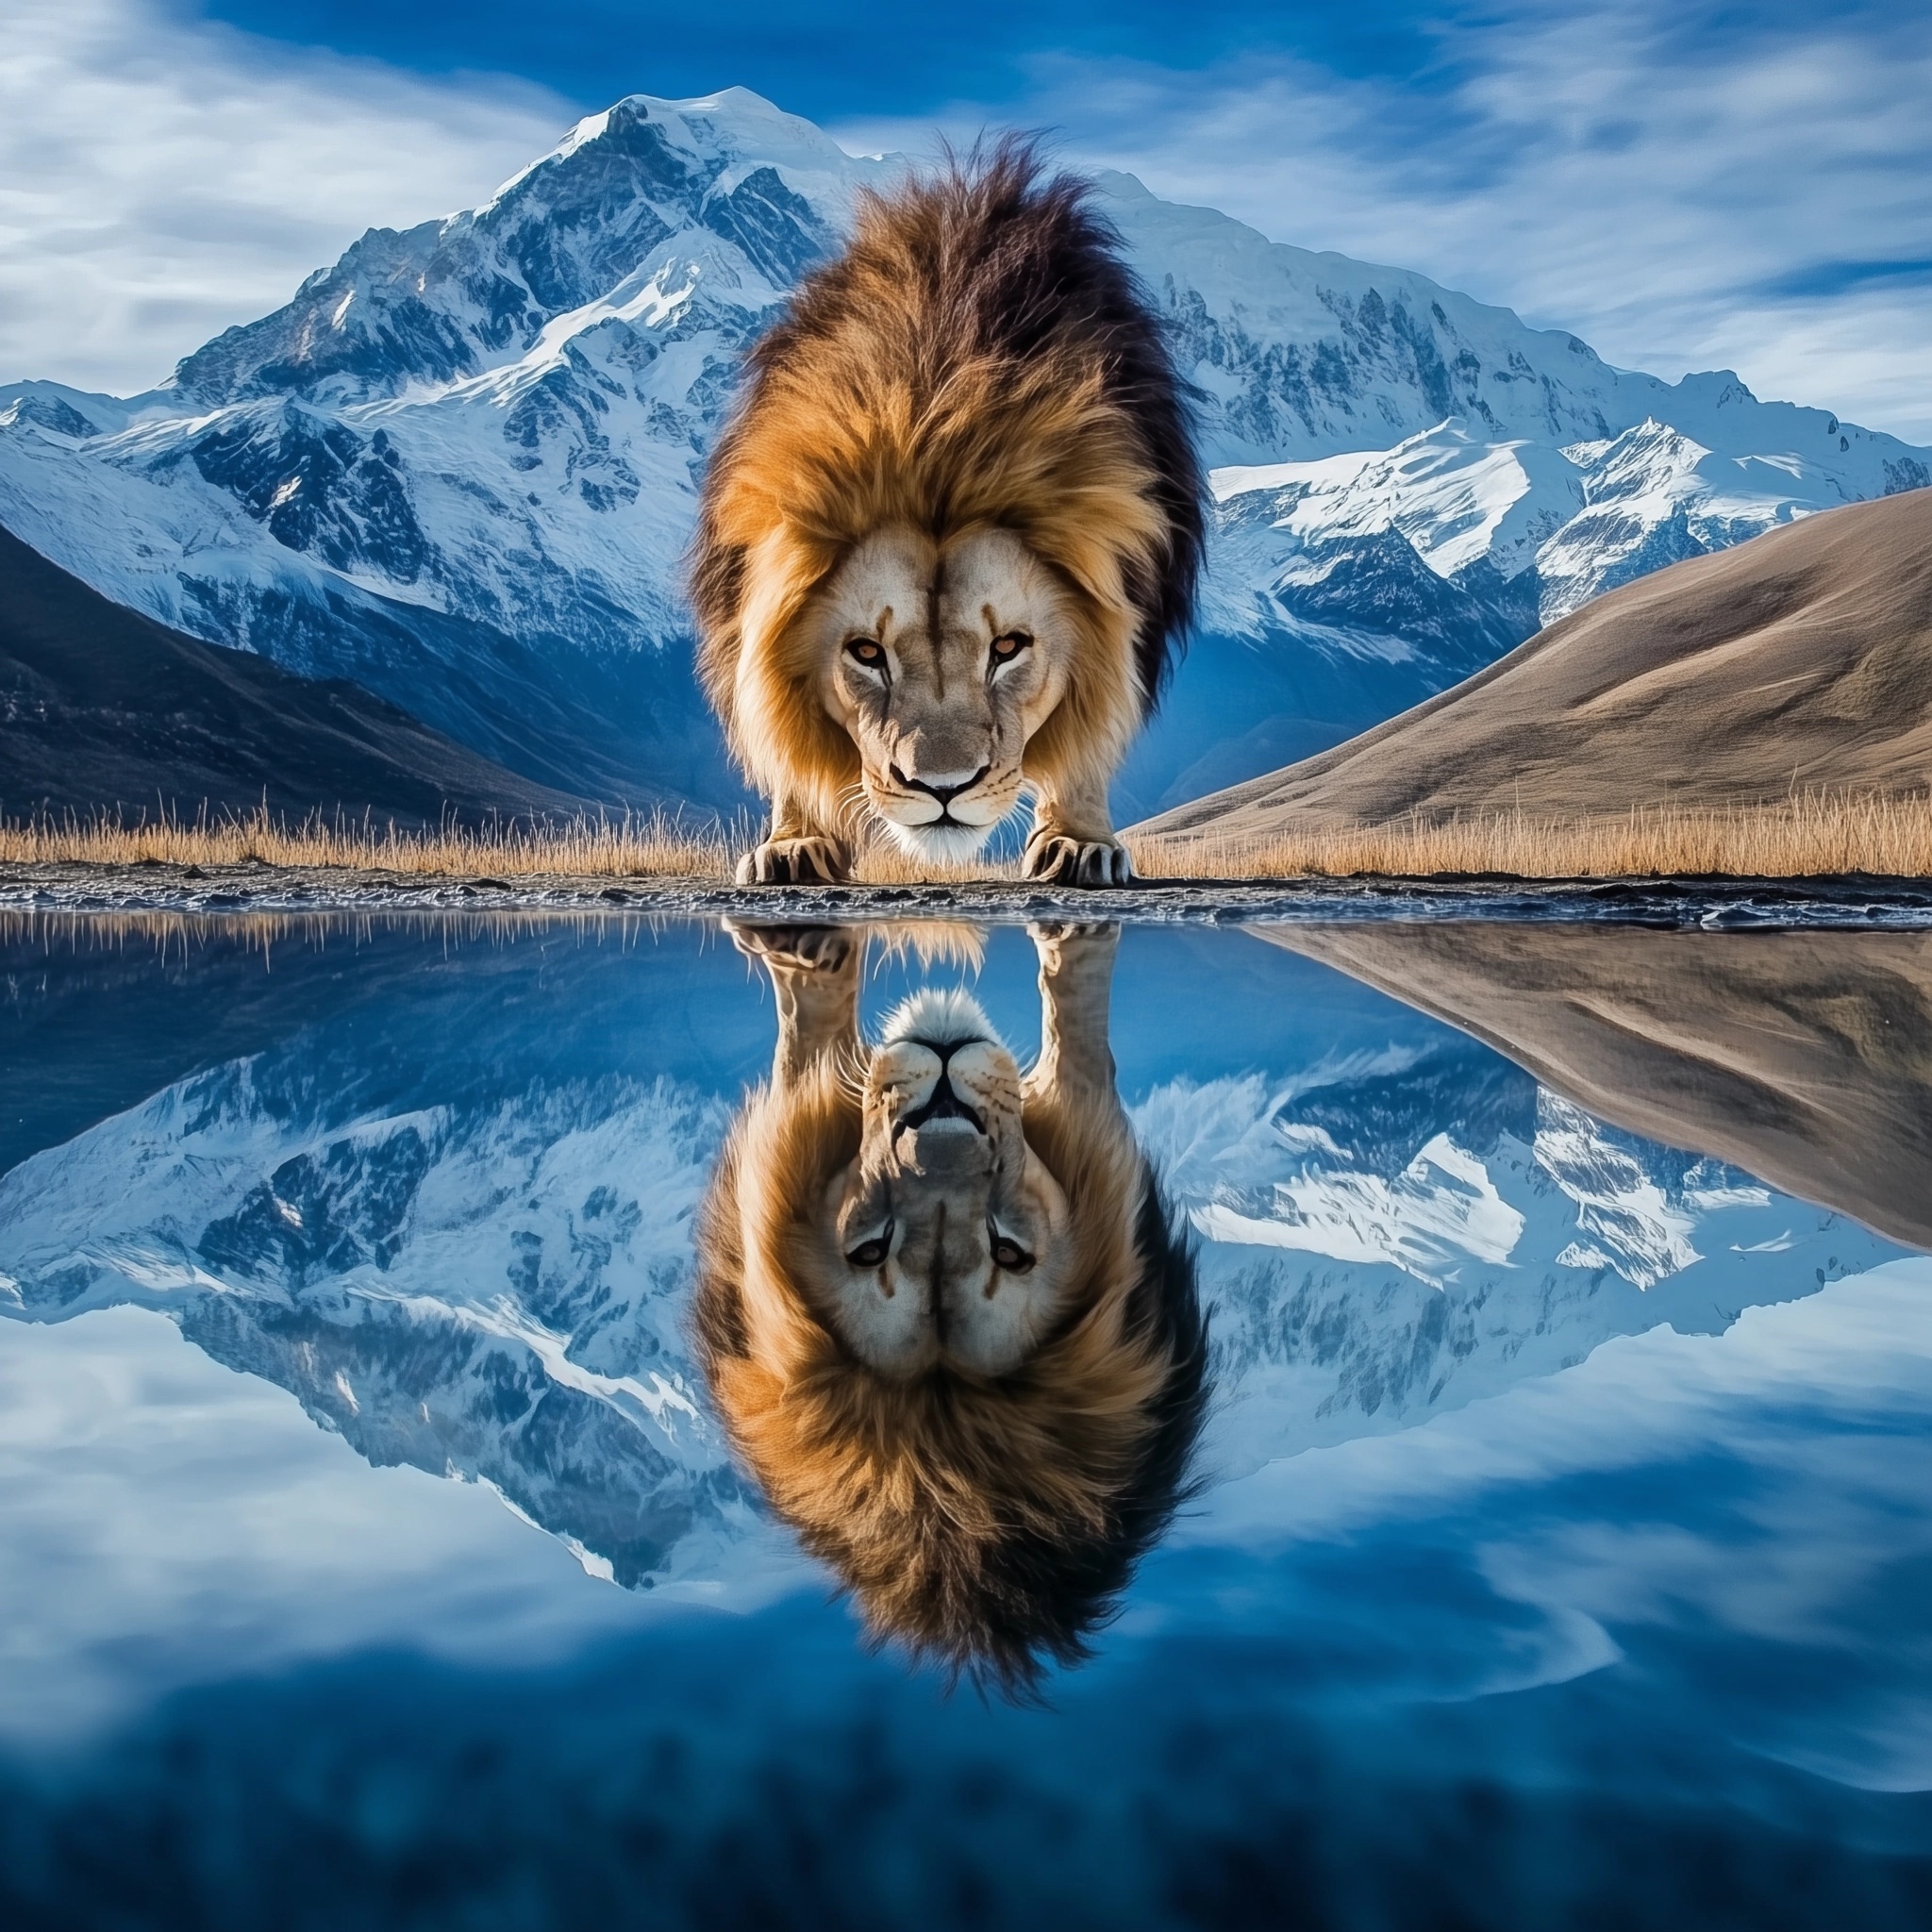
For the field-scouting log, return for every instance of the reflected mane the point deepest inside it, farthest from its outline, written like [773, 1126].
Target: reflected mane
[988, 1525]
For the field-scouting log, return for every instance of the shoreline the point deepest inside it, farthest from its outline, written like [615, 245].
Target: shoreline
[1851, 901]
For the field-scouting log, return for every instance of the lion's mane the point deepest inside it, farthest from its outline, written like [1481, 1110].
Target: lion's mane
[979, 355]
[988, 1525]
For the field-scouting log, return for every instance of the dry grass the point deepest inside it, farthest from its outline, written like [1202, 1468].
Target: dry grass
[170, 934]
[626, 847]
[1804, 836]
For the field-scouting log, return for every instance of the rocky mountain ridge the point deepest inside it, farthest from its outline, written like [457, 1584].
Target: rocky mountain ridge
[103, 709]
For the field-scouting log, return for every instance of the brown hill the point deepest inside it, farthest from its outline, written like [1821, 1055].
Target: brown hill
[1805, 1058]
[102, 707]
[1801, 659]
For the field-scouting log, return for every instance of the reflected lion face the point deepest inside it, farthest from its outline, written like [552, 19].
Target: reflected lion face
[946, 1316]
[943, 1240]
[941, 661]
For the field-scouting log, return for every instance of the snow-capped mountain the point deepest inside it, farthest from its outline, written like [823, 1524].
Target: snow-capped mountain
[1403, 1233]
[496, 1291]
[459, 465]
[487, 1275]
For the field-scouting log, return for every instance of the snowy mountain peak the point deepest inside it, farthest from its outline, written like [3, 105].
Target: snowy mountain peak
[415, 308]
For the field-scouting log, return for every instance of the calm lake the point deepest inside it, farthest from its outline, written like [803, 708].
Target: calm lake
[1435, 1431]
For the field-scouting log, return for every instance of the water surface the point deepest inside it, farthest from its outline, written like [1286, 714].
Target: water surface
[377, 1552]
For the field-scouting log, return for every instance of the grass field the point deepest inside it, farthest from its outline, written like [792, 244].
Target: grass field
[616, 848]
[1809, 835]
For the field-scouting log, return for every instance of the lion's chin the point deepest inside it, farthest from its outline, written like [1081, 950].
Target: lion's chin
[944, 844]
[945, 1016]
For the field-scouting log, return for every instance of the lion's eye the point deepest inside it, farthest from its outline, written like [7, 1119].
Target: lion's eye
[1011, 1255]
[1006, 648]
[866, 651]
[870, 1254]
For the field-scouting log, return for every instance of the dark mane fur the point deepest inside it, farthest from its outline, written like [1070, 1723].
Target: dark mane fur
[998, 266]
[999, 1609]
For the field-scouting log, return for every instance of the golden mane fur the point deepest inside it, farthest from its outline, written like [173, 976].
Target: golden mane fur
[979, 1522]
[978, 357]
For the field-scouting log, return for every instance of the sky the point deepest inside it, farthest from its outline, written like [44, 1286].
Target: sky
[1687, 185]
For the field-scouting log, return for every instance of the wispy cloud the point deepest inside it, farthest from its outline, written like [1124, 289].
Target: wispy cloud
[160, 180]
[1682, 192]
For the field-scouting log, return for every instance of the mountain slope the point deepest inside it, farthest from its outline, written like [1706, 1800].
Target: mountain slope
[1803, 1058]
[459, 466]
[101, 707]
[1804, 657]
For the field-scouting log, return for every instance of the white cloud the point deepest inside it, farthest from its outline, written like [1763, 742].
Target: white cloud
[1681, 200]
[167, 1521]
[162, 180]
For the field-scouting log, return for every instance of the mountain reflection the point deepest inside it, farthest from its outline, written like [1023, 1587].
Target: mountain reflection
[442, 1183]
[943, 1308]
[1804, 1057]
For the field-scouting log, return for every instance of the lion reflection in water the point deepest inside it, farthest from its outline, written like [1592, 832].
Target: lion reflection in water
[943, 1311]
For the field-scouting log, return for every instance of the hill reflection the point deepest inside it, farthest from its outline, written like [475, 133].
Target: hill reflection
[1804, 1057]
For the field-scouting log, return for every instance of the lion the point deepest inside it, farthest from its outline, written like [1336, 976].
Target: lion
[948, 540]
[944, 1314]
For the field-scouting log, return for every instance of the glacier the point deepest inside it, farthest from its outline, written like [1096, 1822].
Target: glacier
[459, 466]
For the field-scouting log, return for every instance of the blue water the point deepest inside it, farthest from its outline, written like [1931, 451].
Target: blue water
[373, 1552]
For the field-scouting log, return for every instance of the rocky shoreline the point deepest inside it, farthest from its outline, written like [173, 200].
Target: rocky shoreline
[1852, 902]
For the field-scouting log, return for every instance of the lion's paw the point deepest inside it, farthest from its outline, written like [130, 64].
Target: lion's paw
[816, 861]
[804, 948]
[1062, 860]
[1070, 932]
[1068, 948]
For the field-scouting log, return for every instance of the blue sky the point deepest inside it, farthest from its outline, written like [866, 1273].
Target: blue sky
[830, 63]
[1686, 185]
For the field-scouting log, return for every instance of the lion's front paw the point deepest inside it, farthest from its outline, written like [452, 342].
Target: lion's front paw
[1071, 932]
[816, 861]
[1068, 947]
[802, 948]
[1063, 859]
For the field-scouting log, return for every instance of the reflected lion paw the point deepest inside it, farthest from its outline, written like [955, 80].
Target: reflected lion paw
[1060, 932]
[817, 861]
[1059, 858]
[811, 948]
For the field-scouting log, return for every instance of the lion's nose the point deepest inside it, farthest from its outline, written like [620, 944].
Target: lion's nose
[944, 786]
[945, 1150]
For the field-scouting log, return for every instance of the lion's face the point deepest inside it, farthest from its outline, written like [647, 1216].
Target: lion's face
[968, 1374]
[941, 661]
[943, 1241]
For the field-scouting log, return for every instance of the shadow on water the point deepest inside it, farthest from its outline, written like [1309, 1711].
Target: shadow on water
[1562, 1538]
